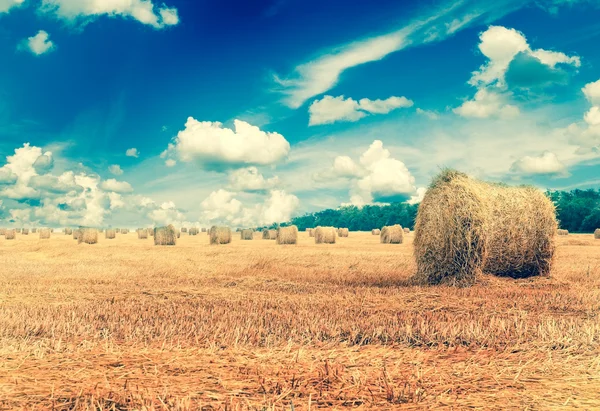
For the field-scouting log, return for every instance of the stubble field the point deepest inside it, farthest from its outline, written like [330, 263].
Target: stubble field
[252, 325]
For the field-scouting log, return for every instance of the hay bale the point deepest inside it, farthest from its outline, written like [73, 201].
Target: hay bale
[52, 230]
[184, 229]
[2, 231]
[68, 231]
[247, 235]
[203, 230]
[165, 235]
[150, 231]
[465, 227]
[193, 231]
[597, 234]
[562, 232]
[220, 235]
[44, 233]
[33, 230]
[343, 232]
[375, 231]
[287, 235]
[87, 236]
[269, 234]
[393, 234]
[325, 235]
[142, 234]
[18, 230]
[25, 231]
[110, 234]
[311, 232]
[10, 234]
[76, 234]
[406, 230]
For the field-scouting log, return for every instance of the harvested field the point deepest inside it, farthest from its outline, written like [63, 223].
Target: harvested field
[127, 325]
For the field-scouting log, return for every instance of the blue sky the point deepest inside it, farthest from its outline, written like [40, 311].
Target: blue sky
[138, 112]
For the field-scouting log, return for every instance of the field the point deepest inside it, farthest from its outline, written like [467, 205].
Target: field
[252, 325]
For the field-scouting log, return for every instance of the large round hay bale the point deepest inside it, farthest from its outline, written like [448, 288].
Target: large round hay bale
[393, 234]
[165, 235]
[465, 227]
[325, 235]
[87, 236]
[68, 231]
[25, 231]
[44, 233]
[406, 230]
[562, 232]
[343, 232]
[597, 234]
[110, 234]
[10, 234]
[287, 235]
[220, 235]
[142, 234]
[247, 235]
[375, 231]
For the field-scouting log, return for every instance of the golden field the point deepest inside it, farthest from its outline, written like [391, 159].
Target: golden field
[124, 324]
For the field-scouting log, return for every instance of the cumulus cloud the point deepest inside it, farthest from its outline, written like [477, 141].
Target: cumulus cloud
[56, 185]
[6, 5]
[251, 180]
[279, 207]
[487, 104]
[44, 163]
[587, 135]
[431, 115]
[166, 213]
[418, 197]
[38, 44]
[331, 109]
[215, 147]
[592, 117]
[84, 11]
[115, 169]
[132, 152]
[547, 163]
[116, 186]
[592, 92]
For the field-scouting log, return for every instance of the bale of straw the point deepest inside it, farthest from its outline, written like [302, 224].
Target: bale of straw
[220, 235]
[375, 231]
[247, 235]
[343, 232]
[165, 235]
[87, 236]
[10, 234]
[76, 234]
[193, 231]
[203, 230]
[150, 231]
[393, 234]
[25, 231]
[142, 234]
[325, 235]
[597, 234]
[311, 232]
[2, 231]
[562, 232]
[33, 230]
[184, 229]
[406, 230]
[110, 234]
[68, 231]
[465, 227]
[52, 230]
[269, 234]
[18, 230]
[287, 235]
[44, 233]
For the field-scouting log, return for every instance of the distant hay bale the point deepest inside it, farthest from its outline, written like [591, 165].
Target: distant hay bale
[311, 232]
[247, 235]
[193, 231]
[203, 230]
[10, 234]
[406, 230]
[562, 232]
[343, 232]
[68, 231]
[269, 234]
[124, 231]
[110, 234]
[325, 235]
[150, 231]
[597, 234]
[52, 230]
[2, 231]
[33, 230]
[220, 235]
[87, 236]
[184, 230]
[375, 231]
[76, 234]
[465, 227]
[393, 234]
[25, 231]
[287, 235]
[18, 230]
[44, 233]
[142, 234]
[165, 235]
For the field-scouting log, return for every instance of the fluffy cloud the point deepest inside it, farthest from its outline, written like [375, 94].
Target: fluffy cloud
[216, 147]
[487, 104]
[84, 11]
[279, 207]
[587, 135]
[132, 152]
[116, 186]
[166, 213]
[249, 179]
[431, 115]
[592, 117]
[418, 197]
[547, 163]
[592, 92]
[6, 5]
[331, 109]
[115, 169]
[38, 44]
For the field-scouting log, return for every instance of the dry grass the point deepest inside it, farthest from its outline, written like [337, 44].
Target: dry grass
[126, 325]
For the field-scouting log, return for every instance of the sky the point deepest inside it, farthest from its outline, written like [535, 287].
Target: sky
[130, 113]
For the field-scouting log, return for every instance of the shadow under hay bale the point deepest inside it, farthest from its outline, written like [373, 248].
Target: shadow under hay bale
[87, 236]
[110, 234]
[220, 235]
[465, 227]
[375, 231]
[287, 235]
[247, 235]
[393, 234]
[165, 235]
[325, 235]
[343, 232]
[44, 233]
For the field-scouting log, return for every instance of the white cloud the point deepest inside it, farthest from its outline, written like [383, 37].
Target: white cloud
[384, 106]
[331, 109]
[487, 104]
[170, 162]
[116, 201]
[115, 169]
[592, 92]
[116, 186]
[132, 152]
[84, 11]
[216, 147]
[592, 117]
[344, 166]
[38, 44]
[249, 179]
[6, 5]
[278, 208]
[547, 163]
[587, 135]
[417, 198]
[221, 205]
[167, 214]
[431, 115]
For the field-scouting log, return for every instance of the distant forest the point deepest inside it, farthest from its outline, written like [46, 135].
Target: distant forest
[577, 211]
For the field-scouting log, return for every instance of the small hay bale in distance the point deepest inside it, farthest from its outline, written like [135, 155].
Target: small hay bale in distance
[184, 230]
[68, 231]
[325, 235]
[343, 232]
[393, 234]
[18, 230]
[193, 231]
[562, 232]
[150, 231]
[465, 227]
[220, 235]
[247, 235]
[287, 235]
[110, 234]
[142, 234]
[76, 234]
[25, 231]
[406, 230]
[203, 230]
[34, 230]
[375, 231]
[269, 234]
[87, 236]
[10, 234]
[311, 232]
[2, 231]
[44, 233]
[165, 235]
[597, 234]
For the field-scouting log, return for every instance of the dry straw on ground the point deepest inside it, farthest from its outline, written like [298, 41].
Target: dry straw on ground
[375, 231]
[10, 234]
[562, 232]
[88, 236]
[287, 235]
[44, 233]
[325, 235]
[393, 234]
[247, 235]
[465, 227]
[597, 234]
[110, 234]
[343, 232]
[142, 234]
[165, 235]
[220, 235]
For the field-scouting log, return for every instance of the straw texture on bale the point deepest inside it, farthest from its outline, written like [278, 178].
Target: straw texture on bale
[406, 230]
[142, 234]
[247, 235]
[44, 233]
[375, 231]
[87, 236]
[562, 232]
[151, 231]
[465, 227]
[393, 234]
[110, 234]
[597, 234]
[68, 231]
[25, 231]
[220, 235]
[165, 235]
[287, 235]
[343, 232]
[10, 234]
[325, 235]
[193, 231]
